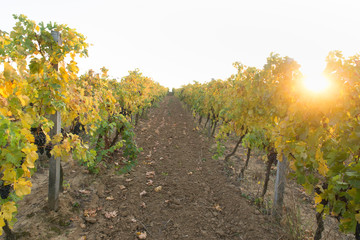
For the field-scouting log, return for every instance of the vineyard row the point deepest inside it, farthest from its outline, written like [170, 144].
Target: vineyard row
[319, 134]
[39, 78]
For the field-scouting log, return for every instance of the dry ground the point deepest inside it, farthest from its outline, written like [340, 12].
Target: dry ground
[177, 191]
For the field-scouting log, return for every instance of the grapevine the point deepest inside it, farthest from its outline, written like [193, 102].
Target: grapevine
[317, 133]
[91, 106]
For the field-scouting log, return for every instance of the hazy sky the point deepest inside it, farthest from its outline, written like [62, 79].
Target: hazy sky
[176, 42]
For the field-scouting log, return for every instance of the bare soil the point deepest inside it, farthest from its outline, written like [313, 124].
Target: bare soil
[177, 191]
[298, 221]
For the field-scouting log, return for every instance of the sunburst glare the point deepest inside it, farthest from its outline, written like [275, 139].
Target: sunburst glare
[316, 83]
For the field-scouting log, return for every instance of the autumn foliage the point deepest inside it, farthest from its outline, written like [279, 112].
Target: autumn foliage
[318, 133]
[32, 87]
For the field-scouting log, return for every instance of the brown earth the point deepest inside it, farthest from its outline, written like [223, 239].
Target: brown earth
[298, 221]
[177, 191]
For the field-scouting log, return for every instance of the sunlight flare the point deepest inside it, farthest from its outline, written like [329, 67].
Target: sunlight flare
[316, 83]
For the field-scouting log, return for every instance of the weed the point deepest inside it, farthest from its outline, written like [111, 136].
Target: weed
[76, 205]
[66, 185]
[291, 220]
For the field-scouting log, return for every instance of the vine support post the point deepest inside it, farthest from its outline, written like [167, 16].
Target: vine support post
[280, 187]
[54, 165]
[210, 128]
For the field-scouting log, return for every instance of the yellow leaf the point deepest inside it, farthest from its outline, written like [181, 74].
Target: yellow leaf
[26, 120]
[278, 144]
[3, 92]
[27, 133]
[66, 145]
[5, 112]
[37, 28]
[217, 207]
[24, 100]
[292, 165]
[9, 175]
[22, 187]
[31, 155]
[57, 138]
[112, 99]
[317, 198]
[2, 223]
[158, 189]
[29, 148]
[27, 172]
[276, 120]
[56, 151]
[323, 169]
[7, 210]
[357, 217]
[30, 159]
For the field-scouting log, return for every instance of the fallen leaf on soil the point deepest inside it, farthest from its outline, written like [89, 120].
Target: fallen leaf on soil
[217, 207]
[190, 173]
[90, 212]
[150, 174]
[141, 235]
[157, 131]
[161, 158]
[158, 189]
[133, 220]
[82, 238]
[149, 182]
[143, 193]
[128, 180]
[90, 219]
[75, 219]
[110, 198]
[143, 205]
[82, 225]
[167, 201]
[176, 201]
[110, 214]
[122, 187]
[84, 191]
[111, 227]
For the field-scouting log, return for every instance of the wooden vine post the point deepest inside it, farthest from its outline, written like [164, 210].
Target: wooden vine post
[54, 168]
[280, 187]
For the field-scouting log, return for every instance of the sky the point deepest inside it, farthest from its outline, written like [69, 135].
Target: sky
[177, 42]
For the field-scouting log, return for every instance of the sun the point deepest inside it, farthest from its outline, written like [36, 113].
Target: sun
[316, 83]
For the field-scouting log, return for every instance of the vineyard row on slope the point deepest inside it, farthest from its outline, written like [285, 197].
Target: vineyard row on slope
[319, 134]
[36, 81]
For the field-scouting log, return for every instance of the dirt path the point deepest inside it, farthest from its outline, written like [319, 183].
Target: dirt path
[188, 196]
